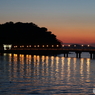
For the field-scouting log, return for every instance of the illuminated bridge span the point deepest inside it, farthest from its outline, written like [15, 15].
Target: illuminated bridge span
[52, 50]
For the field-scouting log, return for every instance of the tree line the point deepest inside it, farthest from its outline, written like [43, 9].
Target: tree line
[26, 33]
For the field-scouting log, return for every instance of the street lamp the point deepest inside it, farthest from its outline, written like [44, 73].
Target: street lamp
[88, 45]
[57, 45]
[62, 45]
[52, 45]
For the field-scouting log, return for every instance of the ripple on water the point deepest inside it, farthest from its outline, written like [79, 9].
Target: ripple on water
[46, 75]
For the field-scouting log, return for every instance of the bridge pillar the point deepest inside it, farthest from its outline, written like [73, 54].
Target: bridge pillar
[91, 55]
[94, 56]
[66, 54]
[78, 54]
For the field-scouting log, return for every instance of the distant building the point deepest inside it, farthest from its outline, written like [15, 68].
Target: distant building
[7, 46]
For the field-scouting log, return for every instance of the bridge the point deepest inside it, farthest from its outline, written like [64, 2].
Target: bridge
[78, 49]
[78, 52]
[48, 51]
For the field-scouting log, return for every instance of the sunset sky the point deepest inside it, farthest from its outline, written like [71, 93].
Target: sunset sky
[72, 21]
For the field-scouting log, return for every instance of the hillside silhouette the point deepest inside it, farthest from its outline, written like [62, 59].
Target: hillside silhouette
[26, 33]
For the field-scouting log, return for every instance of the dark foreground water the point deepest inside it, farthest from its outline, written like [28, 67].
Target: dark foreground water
[46, 75]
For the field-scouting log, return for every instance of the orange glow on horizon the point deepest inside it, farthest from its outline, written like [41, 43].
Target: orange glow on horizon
[75, 35]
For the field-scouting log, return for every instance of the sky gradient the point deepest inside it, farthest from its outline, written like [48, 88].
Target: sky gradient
[72, 21]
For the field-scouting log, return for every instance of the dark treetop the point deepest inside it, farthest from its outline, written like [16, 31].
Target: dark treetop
[25, 33]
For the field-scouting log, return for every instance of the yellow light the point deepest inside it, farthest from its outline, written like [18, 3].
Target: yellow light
[43, 45]
[29, 45]
[62, 45]
[43, 58]
[57, 45]
[34, 55]
[52, 45]
[52, 57]
[74, 45]
[15, 46]
[68, 45]
[88, 45]
[82, 45]
[47, 45]
[10, 54]
[27, 56]
[34, 45]
[38, 45]
[47, 59]
[15, 55]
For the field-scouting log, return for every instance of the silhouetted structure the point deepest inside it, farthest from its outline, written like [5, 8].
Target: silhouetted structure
[26, 34]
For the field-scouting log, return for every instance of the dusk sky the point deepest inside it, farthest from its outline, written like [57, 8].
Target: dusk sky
[72, 21]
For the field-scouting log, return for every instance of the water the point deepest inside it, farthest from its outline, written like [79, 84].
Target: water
[46, 75]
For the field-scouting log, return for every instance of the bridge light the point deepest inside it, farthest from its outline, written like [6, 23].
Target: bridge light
[43, 46]
[74, 45]
[34, 45]
[15, 46]
[88, 45]
[37, 45]
[29, 45]
[47, 45]
[68, 45]
[23, 46]
[57, 45]
[52, 45]
[62, 45]
[82, 45]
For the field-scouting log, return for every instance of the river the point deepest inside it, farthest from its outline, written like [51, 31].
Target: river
[46, 75]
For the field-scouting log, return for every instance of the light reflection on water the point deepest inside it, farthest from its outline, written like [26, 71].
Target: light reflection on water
[50, 75]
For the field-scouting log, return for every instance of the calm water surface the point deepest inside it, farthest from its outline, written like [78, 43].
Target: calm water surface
[46, 75]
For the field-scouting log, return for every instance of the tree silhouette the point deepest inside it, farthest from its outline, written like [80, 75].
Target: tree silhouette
[26, 33]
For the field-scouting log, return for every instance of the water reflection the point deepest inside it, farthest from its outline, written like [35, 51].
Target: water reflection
[74, 64]
[50, 72]
[81, 69]
[88, 69]
[22, 65]
[68, 69]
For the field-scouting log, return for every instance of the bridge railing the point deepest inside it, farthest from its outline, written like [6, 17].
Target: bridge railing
[63, 49]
